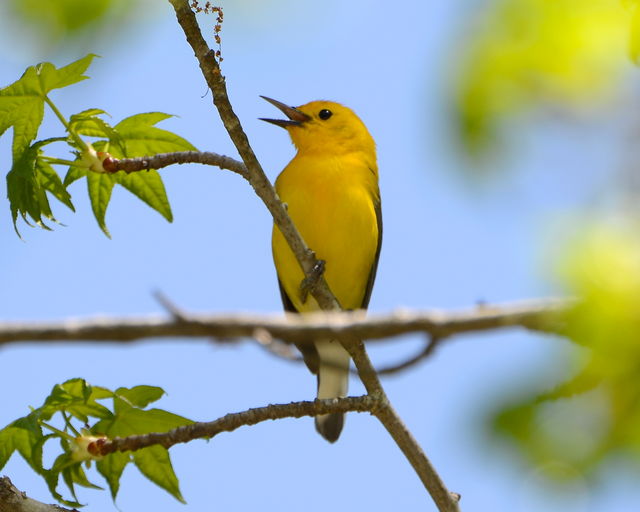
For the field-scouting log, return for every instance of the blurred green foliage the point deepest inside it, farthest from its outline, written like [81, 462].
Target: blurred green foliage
[51, 24]
[572, 56]
[523, 54]
[595, 412]
[65, 16]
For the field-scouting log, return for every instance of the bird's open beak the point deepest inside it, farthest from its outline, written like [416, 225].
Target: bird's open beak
[296, 118]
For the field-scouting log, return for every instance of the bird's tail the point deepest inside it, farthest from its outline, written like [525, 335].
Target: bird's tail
[333, 382]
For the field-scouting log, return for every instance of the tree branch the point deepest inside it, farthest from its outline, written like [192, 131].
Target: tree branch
[256, 176]
[14, 500]
[543, 315]
[426, 351]
[305, 257]
[231, 422]
[161, 160]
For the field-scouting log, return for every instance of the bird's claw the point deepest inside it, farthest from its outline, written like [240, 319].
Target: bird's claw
[310, 281]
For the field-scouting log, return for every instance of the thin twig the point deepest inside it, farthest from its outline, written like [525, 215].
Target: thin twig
[276, 347]
[426, 351]
[177, 313]
[161, 160]
[231, 422]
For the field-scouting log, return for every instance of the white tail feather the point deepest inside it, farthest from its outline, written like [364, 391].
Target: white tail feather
[333, 374]
[333, 382]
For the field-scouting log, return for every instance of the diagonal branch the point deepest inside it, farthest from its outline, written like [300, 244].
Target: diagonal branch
[14, 500]
[306, 258]
[255, 174]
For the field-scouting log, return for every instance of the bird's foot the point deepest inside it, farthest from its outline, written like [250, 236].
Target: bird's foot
[310, 281]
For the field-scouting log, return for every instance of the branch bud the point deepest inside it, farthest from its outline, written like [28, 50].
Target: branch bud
[86, 447]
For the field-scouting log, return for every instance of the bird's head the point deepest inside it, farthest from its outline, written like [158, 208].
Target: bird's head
[324, 127]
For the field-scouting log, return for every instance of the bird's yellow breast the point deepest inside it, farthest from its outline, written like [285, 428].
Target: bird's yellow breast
[331, 200]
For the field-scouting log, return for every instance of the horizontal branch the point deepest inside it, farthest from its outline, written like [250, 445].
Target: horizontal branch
[161, 160]
[231, 422]
[543, 315]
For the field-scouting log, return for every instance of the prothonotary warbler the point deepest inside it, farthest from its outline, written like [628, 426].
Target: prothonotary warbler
[331, 191]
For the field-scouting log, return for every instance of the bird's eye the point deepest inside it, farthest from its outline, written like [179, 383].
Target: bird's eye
[325, 114]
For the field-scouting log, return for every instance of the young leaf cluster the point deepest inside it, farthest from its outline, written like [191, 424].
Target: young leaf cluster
[33, 178]
[74, 415]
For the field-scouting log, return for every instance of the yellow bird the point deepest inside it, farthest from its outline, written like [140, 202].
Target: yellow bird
[331, 192]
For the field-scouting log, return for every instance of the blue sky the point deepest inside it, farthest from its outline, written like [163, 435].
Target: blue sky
[448, 242]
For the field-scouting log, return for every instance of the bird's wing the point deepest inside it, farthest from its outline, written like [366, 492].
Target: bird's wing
[308, 350]
[374, 265]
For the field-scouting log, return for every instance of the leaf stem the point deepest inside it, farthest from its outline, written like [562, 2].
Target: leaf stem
[61, 433]
[61, 161]
[67, 422]
[82, 144]
[57, 112]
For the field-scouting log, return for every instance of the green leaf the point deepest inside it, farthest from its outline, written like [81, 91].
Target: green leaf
[100, 393]
[140, 396]
[6, 446]
[141, 120]
[52, 483]
[52, 78]
[93, 127]
[111, 468]
[25, 436]
[74, 397]
[134, 136]
[89, 112]
[25, 128]
[15, 437]
[89, 123]
[129, 421]
[74, 174]
[52, 477]
[143, 138]
[155, 464]
[22, 102]
[22, 190]
[76, 400]
[27, 183]
[74, 474]
[148, 186]
[100, 188]
[51, 182]
[22, 107]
